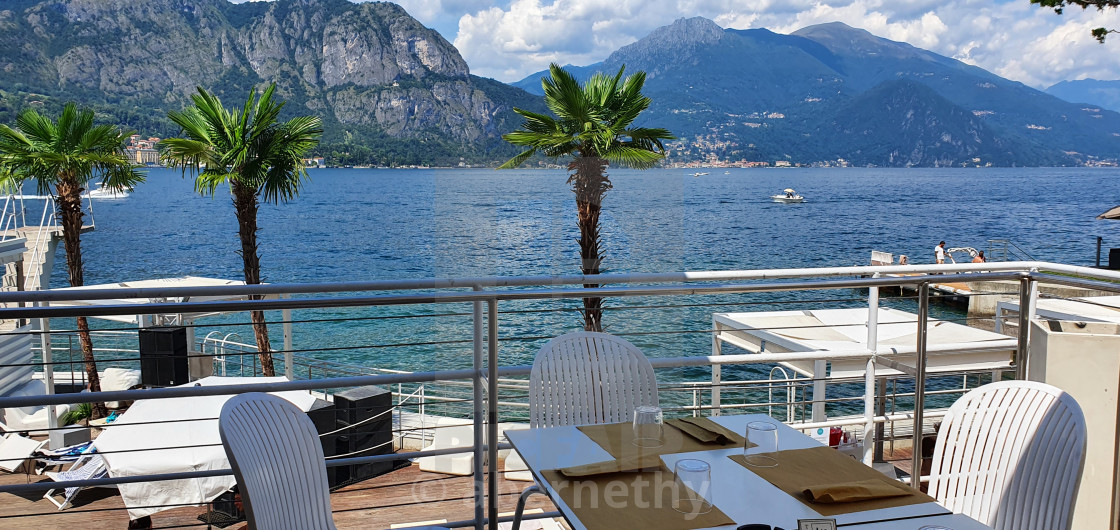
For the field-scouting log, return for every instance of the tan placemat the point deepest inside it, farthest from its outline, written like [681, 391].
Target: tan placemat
[640, 501]
[618, 439]
[801, 469]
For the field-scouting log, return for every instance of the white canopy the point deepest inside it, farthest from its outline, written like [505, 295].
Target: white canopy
[184, 281]
[1087, 308]
[163, 442]
[846, 330]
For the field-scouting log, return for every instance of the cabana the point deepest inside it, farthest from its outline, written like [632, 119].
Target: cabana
[951, 347]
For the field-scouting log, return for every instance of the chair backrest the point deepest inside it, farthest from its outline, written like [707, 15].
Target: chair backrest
[1010, 455]
[276, 456]
[585, 377]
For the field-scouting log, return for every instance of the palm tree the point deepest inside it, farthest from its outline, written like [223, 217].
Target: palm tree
[259, 157]
[63, 158]
[593, 125]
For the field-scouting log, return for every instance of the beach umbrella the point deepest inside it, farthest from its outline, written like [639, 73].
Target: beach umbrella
[1113, 213]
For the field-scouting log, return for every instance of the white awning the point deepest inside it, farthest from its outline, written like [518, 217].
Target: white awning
[184, 281]
[846, 330]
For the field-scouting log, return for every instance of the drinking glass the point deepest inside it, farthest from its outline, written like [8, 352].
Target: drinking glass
[694, 486]
[764, 436]
[647, 426]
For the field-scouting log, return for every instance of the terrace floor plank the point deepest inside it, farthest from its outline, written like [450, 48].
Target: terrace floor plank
[402, 496]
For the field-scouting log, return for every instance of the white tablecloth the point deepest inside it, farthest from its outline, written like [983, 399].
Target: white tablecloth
[174, 446]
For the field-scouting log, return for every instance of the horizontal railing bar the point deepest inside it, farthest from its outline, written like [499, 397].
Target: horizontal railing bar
[503, 519]
[519, 281]
[467, 296]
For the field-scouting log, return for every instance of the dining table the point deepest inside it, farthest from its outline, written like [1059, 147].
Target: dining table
[598, 477]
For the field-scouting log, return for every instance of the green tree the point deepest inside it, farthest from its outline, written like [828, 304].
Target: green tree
[63, 158]
[593, 125]
[1058, 5]
[259, 157]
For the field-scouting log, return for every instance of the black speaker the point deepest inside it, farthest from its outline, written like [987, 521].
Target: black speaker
[364, 425]
[163, 356]
[322, 415]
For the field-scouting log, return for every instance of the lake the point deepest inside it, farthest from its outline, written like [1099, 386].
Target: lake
[370, 224]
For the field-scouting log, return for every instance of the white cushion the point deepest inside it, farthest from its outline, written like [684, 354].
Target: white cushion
[33, 418]
[118, 379]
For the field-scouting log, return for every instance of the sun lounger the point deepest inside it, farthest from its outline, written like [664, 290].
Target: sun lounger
[88, 466]
[16, 451]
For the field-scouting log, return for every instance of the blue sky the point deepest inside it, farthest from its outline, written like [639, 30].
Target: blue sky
[509, 39]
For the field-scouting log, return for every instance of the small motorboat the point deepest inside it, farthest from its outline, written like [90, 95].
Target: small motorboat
[787, 195]
[106, 193]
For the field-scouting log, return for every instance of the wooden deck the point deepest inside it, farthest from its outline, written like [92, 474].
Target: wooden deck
[405, 495]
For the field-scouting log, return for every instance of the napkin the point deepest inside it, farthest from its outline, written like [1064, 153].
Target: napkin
[863, 490]
[702, 429]
[634, 464]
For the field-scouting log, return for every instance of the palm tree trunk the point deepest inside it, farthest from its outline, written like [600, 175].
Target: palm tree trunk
[69, 203]
[590, 183]
[246, 205]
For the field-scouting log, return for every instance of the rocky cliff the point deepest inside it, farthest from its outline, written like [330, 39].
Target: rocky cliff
[370, 70]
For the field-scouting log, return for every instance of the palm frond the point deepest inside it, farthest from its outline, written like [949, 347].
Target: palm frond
[634, 157]
[564, 96]
[519, 159]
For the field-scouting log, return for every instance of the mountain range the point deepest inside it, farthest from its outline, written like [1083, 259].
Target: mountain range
[830, 92]
[388, 89]
[392, 92]
[1103, 93]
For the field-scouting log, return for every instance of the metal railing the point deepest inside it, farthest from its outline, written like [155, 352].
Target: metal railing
[485, 295]
[14, 216]
[1006, 250]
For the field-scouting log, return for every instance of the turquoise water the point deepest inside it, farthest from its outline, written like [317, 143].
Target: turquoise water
[372, 224]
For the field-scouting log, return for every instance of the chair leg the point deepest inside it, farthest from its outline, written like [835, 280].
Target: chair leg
[517, 515]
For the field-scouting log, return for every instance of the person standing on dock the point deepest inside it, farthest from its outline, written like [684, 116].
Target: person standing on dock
[939, 253]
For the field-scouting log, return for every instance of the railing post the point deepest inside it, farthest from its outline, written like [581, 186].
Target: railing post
[920, 385]
[492, 405]
[819, 390]
[869, 412]
[1028, 294]
[48, 378]
[717, 372]
[289, 360]
[479, 425]
[869, 374]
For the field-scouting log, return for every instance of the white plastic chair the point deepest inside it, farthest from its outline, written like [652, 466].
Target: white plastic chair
[585, 378]
[1010, 455]
[276, 456]
[449, 437]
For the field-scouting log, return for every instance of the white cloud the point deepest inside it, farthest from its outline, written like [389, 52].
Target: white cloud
[1011, 38]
